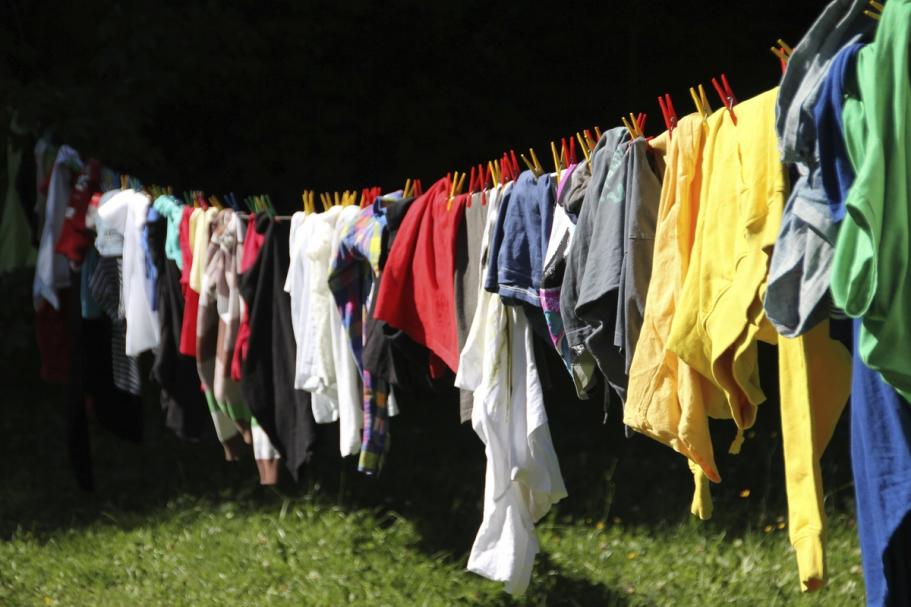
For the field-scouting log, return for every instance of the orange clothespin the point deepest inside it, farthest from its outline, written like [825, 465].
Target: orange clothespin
[726, 94]
[783, 52]
[669, 113]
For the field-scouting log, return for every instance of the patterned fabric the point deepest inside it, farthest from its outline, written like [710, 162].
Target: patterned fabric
[354, 270]
[217, 321]
[104, 285]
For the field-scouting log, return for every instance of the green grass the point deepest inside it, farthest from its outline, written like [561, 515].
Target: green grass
[172, 524]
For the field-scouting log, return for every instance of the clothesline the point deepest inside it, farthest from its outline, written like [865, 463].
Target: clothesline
[654, 266]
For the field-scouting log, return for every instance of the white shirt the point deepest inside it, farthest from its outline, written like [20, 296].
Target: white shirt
[126, 213]
[108, 241]
[297, 285]
[522, 478]
[52, 271]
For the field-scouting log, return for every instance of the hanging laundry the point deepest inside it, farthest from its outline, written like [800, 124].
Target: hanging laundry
[719, 318]
[575, 328]
[303, 279]
[182, 401]
[218, 317]
[870, 269]
[467, 265]
[253, 242]
[570, 193]
[189, 228]
[311, 306]
[75, 238]
[52, 272]
[349, 386]
[353, 280]
[390, 353]
[517, 249]
[126, 213]
[618, 267]
[268, 369]
[666, 398]
[417, 291]
[523, 476]
[16, 250]
[797, 297]
[880, 417]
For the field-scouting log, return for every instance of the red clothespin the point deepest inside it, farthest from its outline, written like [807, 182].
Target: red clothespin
[515, 164]
[669, 113]
[726, 94]
[640, 122]
[418, 188]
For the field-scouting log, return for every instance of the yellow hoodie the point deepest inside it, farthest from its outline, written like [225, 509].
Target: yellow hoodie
[719, 317]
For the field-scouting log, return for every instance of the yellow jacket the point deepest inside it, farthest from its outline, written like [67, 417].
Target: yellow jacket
[719, 317]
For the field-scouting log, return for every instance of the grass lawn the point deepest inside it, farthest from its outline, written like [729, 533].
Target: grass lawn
[172, 524]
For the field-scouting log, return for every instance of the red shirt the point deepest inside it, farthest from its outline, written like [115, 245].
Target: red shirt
[417, 293]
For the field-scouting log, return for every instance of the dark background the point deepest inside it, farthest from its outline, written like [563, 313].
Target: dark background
[275, 97]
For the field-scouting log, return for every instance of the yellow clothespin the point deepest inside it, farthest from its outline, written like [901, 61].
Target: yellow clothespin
[528, 163]
[407, 189]
[494, 173]
[538, 170]
[584, 147]
[452, 189]
[702, 103]
[598, 132]
[553, 152]
[877, 13]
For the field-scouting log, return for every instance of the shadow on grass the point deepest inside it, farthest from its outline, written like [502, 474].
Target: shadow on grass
[434, 474]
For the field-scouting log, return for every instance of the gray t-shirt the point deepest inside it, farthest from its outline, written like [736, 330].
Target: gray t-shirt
[577, 330]
[619, 264]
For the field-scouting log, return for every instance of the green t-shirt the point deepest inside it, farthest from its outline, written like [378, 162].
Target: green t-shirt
[871, 273]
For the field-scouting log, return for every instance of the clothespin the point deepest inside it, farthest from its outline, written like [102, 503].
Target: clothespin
[726, 94]
[539, 169]
[589, 140]
[123, 182]
[452, 189]
[513, 165]
[494, 173]
[877, 13]
[407, 190]
[553, 152]
[783, 52]
[669, 114]
[584, 147]
[598, 132]
[635, 125]
[701, 102]
[215, 202]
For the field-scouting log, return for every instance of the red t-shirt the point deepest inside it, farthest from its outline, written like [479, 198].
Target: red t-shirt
[417, 293]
